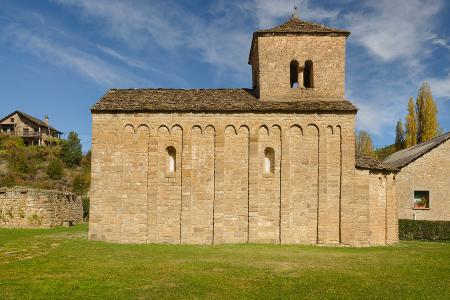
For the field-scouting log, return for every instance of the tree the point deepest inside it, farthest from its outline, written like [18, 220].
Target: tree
[423, 94]
[55, 169]
[81, 184]
[364, 145]
[86, 161]
[426, 114]
[70, 152]
[430, 124]
[399, 136]
[411, 125]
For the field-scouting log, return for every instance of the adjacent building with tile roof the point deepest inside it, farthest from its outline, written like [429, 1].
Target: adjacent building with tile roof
[423, 180]
[271, 164]
[32, 130]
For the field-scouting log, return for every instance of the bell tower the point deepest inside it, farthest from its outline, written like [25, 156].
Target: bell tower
[298, 60]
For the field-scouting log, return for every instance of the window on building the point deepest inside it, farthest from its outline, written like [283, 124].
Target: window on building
[308, 79]
[421, 199]
[11, 120]
[171, 159]
[294, 73]
[269, 161]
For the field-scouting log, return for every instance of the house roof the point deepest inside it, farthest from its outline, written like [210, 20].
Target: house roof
[369, 163]
[404, 157]
[31, 118]
[208, 100]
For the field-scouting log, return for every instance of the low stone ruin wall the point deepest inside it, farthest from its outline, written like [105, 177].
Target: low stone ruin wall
[27, 207]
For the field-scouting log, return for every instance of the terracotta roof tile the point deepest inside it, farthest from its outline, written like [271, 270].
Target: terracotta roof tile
[208, 100]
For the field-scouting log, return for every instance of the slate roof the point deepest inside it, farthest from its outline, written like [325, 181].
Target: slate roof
[296, 25]
[369, 163]
[208, 100]
[32, 119]
[406, 156]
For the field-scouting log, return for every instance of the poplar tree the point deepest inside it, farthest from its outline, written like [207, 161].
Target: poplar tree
[430, 124]
[424, 91]
[411, 125]
[423, 112]
[364, 145]
[399, 136]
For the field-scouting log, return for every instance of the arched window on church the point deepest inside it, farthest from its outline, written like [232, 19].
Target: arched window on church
[294, 73]
[308, 75]
[171, 159]
[269, 161]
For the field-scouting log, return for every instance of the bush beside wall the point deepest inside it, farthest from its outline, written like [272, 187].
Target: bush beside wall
[424, 230]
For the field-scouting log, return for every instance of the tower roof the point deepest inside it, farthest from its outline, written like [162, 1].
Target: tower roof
[297, 26]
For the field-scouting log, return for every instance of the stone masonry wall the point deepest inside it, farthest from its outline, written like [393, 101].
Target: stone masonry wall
[431, 172]
[375, 211]
[219, 191]
[272, 56]
[26, 207]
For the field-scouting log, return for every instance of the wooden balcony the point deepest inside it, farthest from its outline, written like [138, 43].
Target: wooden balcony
[23, 133]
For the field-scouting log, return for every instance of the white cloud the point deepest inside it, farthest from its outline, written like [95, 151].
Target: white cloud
[440, 86]
[223, 39]
[393, 30]
[169, 26]
[40, 45]
[123, 58]
[268, 12]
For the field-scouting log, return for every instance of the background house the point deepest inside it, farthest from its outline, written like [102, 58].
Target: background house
[31, 129]
[423, 181]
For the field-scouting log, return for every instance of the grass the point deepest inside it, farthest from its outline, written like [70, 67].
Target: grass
[62, 263]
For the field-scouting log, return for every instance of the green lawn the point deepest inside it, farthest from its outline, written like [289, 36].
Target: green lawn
[62, 263]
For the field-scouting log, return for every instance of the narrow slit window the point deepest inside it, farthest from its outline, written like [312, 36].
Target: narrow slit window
[269, 161]
[294, 73]
[171, 159]
[308, 76]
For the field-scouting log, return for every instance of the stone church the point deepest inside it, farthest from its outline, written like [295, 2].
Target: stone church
[271, 164]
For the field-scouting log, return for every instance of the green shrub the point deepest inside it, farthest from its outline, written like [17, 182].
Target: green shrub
[81, 184]
[86, 202]
[19, 161]
[70, 152]
[55, 169]
[424, 230]
[86, 161]
[10, 179]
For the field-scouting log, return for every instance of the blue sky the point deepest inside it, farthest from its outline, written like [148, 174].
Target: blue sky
[58, 57]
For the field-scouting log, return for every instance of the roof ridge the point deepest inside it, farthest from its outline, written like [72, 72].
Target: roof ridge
[35, 120]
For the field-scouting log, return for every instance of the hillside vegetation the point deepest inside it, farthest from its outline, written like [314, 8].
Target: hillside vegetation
[60, 166]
